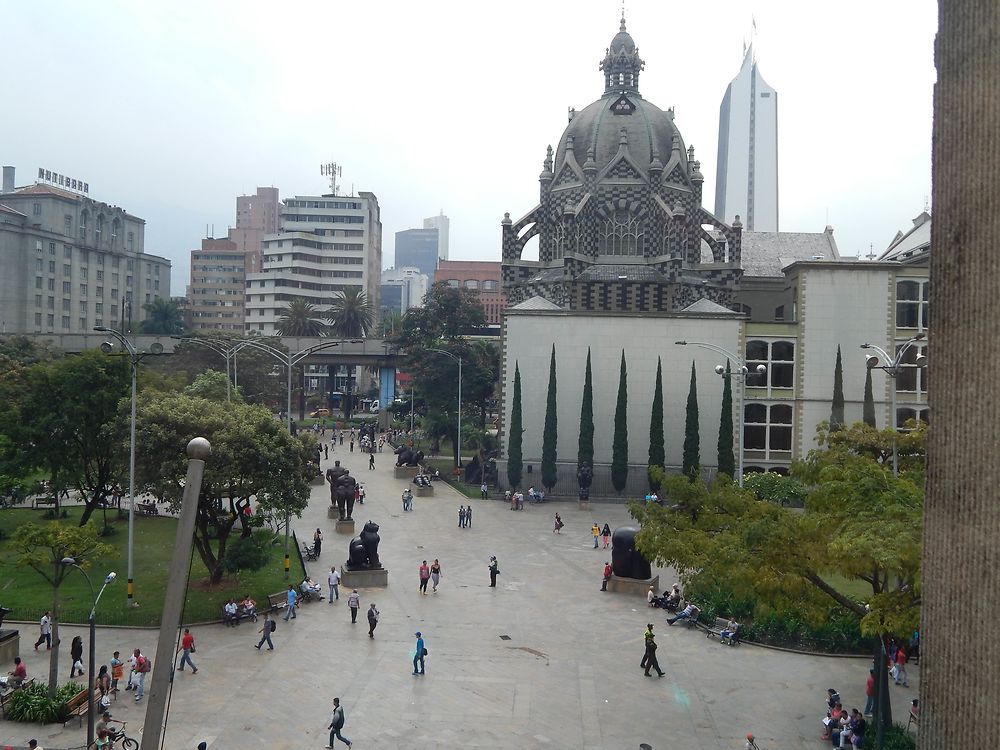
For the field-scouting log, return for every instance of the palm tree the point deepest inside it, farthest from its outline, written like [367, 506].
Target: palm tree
[350, 315]
[164, 317]
[301, 318]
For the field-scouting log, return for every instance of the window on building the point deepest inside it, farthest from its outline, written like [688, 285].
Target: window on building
[779, 359]
[50, 320]
[67, 224]
[38, 282]
[38, 300]
[52, 266]
[36, 209]
[148, 300]
[83, 308]
[911, 378]
[779, 312]
[115, 229]
[99, 308]
[65, 321]
[128, 264]
[67, 269]
[100, 259]
[99, 231]
[156, 285]
[131, 241]
[83, 324]
[68, 252]
[52, 248]
[114, 277]
[51, 284]
[905, 414]
[39, 264]
[66, 304]
[454, 283]
[66, 287]
[99, 322]
[115, 261]
[83, 273]
[100, 275]
[38, 319]
[83, 290]
[83, 224]
[490, 285]
[149, 283]
[114, 296]
[912, 300]
[621, 234]
[99, 291]
[128, 281]
[471, 284]
[767, 428]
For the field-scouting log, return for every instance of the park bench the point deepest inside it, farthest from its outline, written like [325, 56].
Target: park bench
[277, 601]
[147, 509]
[76, 706]
[715, 631]
[43, 501]
[10, 690]
[241, 614]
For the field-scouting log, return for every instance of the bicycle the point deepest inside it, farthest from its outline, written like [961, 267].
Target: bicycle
[128, 743]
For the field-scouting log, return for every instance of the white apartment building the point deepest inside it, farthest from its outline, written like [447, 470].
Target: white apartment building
[326, 244]
[70, 262]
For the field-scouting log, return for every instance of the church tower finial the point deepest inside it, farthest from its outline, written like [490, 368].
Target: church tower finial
[621, 64]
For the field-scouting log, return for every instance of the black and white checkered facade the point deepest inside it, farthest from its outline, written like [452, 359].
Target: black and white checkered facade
[620, 220]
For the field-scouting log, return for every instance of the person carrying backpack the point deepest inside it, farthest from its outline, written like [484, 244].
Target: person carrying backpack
[336, 724]
[269, 627]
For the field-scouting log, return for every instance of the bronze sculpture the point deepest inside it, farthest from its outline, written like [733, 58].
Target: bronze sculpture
[406, 456]
[342, 486]
[626, 560]
[363, 550]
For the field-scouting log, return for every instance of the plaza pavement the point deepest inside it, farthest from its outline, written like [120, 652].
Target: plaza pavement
[568, 677]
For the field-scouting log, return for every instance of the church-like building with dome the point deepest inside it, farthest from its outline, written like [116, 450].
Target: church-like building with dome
[620, 221]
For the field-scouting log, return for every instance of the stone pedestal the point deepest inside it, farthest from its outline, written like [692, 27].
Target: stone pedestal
[405, 472]
[583, 504]
[633, 586]
[346, 526]
[10, 645]
[424, 491]
[363, 579]
[332, 512]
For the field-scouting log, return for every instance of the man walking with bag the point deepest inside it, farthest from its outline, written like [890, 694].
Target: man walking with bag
[336, 724]
[372, 620]
[187, 646]
[419, 654]
[269, 627]
[44, 632]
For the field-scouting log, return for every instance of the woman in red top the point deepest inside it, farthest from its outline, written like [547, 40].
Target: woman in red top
[425, 574]
[187, 646]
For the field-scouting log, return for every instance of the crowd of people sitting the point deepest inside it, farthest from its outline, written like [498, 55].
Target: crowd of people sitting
[233, 611]
[842, 728]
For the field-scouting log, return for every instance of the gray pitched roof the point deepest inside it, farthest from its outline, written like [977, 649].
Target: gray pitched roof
[766, 253]
[621, 273]
[707, 306]
[915, 243]
[536, 303]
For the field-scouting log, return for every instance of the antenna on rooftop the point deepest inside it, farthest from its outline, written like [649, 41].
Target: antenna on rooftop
[871, 251]
[333, 171]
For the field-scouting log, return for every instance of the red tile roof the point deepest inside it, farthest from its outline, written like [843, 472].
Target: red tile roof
[41, 188]
[8, 210]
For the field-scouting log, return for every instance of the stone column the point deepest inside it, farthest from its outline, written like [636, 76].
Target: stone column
[960, 682]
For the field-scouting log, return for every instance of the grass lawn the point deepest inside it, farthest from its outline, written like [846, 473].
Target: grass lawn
[856, 589]
[29, 596]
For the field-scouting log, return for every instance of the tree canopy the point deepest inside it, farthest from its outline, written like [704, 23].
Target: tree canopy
[301, 318]
[163, 316]
[350, 314]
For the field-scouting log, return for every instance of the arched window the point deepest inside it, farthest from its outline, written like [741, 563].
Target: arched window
[621, 234]
[779, 359]
[99, 231]
[767, 430]
[83, 224]
[115, 229]
[471, 284]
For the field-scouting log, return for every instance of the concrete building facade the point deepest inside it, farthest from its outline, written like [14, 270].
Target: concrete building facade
[71, 263]
[216, 294]
[402, 289]
[443, 225]
[481, 277]
[325, 244]
[417, 248]
[257, 215]
[746, 182]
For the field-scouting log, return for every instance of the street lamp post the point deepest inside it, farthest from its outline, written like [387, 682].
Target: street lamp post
[743, 372]
[225, 348]
[458, 448]
[135, 356]
[92, 657]
[892, 366]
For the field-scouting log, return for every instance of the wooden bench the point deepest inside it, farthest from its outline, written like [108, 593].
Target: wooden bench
[241, 614]
[10, 690]
[715, 631]
[42, 501]
[147, 509]
[77, 706]
[277, 601]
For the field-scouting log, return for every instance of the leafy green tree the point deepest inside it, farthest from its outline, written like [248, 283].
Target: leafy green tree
[252, 457]
[248, 553]
[301, 318]
[42, 547]
[619, 445]
[657, 453]
[66, 422]
[549, 474]
[692, 439]
[727, 461]
[837, 410]
[585, 448]
[350, 315]
[164, 317]
[515, 462]
[776, 488]
[868, 414]
[212, 385]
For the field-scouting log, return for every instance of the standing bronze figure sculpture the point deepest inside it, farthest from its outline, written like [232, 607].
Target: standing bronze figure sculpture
[342, 486]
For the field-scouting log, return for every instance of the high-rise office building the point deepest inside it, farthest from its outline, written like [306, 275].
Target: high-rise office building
[215, 297]
[402, 289]
[443, 225]
[417, 248]
[747, 174]
[324, 245]
[70, 262]
[256, 216]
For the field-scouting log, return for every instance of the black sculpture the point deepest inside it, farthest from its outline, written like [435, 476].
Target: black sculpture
[406, 456]
[626, 560]
[363, 551]
[585, 477]
[474, 471]
[342, 486]
[4, 611]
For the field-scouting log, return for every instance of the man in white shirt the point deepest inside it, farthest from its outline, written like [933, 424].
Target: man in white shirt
[44, 632]
[333, 581]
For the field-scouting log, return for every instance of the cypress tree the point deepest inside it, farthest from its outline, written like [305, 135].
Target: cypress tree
[657, 455]
[868, 415]
[837, 412]
[692, 439]
[515, 463]
[727, 461]
[619, 447]
[585, 449]
[549, 432]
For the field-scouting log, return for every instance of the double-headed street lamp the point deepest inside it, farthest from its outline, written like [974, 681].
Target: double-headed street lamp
[741, 371]
[892, 366]
[130, 350]
[70, 562]
[458, 448]
[226, 348]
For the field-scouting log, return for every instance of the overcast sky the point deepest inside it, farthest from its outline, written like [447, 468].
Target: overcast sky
[173, 109]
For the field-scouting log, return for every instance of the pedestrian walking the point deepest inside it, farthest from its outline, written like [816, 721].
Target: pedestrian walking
[333, 581]
[595, 531]
[468, 516]
[326, 452]
[870, 693]
[371, 462]
[352, 444]
[650, 657]
[336, 724]
[425, 576]
[354, 602]
[317, 542]
[557, 524]
[606, 533]
[269, 627]
[185, 650]
[418, 654]
[293, 599]
[461, 516]
[901, 666]
[44, 632]
[607, 576]
[484, 490]
[435, 575]
[372, 620]
[341, 438]
[76, 654]
[494, 571]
